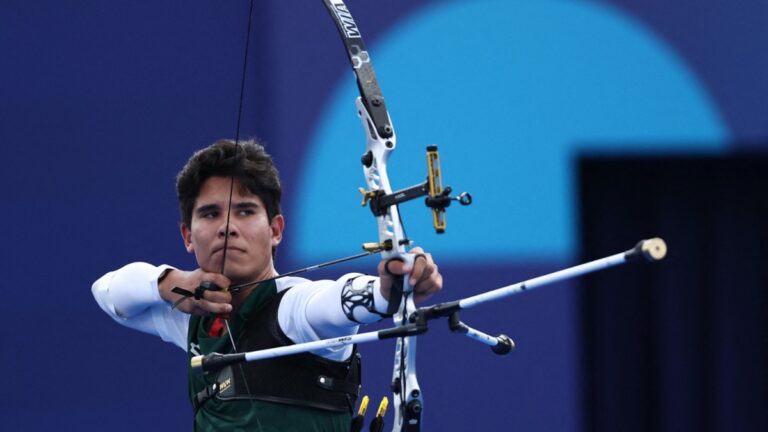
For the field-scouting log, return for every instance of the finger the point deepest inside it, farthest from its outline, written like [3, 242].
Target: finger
[423, 268]
[206, 307]
[218, 296]
[418, 254]
[220, 280]
[393, 267]
[434, 286]
[417, 250]
[430, 282]
[430, 285]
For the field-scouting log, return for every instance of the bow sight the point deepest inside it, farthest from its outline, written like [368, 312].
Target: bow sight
[437, 198]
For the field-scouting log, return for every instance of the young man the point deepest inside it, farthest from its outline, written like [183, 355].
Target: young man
[305, 392]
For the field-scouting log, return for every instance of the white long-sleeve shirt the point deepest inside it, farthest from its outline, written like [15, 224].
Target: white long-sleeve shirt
[310, 311]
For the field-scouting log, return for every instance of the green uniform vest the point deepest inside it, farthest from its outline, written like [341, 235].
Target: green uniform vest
[218, 414]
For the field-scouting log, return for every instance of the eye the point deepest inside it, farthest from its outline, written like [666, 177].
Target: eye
[213, 214]
[246, 212]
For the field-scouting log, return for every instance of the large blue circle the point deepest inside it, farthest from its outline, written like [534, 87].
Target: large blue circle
[512, 92]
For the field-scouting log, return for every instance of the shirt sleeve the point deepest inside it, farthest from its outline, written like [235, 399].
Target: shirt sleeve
[130, 296]
[311, 311]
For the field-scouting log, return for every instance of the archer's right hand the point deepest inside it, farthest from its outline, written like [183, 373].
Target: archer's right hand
[211, 303]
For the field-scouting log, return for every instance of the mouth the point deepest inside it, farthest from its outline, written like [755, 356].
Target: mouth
[230, 249]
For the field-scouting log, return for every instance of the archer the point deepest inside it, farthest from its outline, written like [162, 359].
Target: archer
[229, 196]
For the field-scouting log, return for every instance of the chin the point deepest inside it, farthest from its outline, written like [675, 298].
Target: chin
[237, 276]
[211, 266]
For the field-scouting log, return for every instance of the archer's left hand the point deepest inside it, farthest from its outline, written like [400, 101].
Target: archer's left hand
[423, 277]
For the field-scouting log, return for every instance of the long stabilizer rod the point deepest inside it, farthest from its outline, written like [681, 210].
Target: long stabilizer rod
[653, 249]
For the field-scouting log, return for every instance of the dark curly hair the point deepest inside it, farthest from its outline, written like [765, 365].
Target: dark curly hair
[247, 162]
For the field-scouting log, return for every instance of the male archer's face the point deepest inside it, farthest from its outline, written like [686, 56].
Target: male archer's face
[251, 234]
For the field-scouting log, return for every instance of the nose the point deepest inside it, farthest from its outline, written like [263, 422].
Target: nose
[231, 228]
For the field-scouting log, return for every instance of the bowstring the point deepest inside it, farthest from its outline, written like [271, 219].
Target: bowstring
[231, 194]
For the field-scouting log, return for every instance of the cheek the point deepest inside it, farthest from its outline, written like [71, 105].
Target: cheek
[200, 236]
[262, 236]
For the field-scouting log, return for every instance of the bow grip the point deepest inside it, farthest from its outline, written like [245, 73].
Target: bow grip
[400, 285]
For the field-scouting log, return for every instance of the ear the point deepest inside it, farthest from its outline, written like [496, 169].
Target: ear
[186, 235]
[277, 226]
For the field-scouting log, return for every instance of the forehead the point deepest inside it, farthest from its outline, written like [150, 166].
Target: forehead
[215, 190]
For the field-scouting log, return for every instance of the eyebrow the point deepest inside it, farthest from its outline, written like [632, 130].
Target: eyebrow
[246, 205]
[207, 208]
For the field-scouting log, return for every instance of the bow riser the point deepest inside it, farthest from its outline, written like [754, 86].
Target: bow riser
[377, 180]
[381, 141]
[407, 408]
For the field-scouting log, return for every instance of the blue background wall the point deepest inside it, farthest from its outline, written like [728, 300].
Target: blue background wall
[102, 103]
